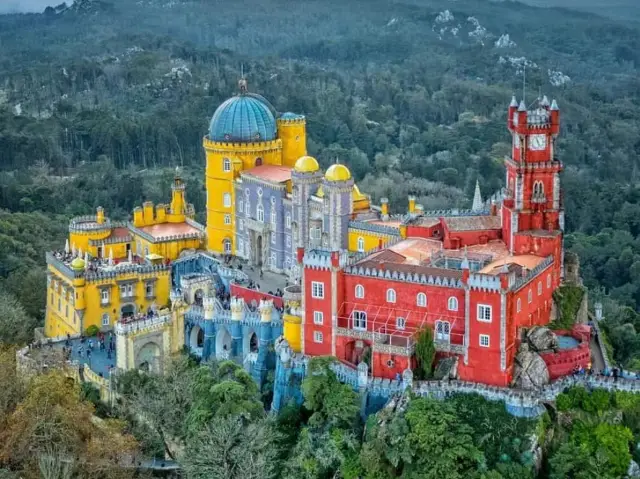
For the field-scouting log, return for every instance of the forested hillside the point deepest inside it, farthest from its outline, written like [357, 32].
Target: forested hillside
[97, 98]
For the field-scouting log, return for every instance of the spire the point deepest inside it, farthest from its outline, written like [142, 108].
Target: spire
[477, 199]
[545, 101]
[514, 102]
[554, 106]
[67, 249]
[522, 106]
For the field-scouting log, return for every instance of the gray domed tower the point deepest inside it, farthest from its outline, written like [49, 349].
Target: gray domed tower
[338, 206]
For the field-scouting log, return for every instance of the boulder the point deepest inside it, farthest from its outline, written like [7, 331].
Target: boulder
[634, 469]
[530, 371]
[447, 368]
[542, 339]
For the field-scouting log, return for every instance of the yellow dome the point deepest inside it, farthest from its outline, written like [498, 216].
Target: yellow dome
[306, 164]
[77, 264]
[338, 172]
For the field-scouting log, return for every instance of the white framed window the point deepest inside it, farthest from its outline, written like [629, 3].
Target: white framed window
[226, 200]
[104, 296]
[530, 297]
[226, 164]
[549, 280]
[274, 216]
[391, 295]
[260, 213]
[241, 206]
[227, 219]
[226, 245]
[401, 323]
[519, 305]
[288, 241]
[287, 221]
[241, 225]
[443, 331]
[317, 337]
[539, 288]
[106, 320]
[247, 207]
[361, 244]
[421, 300]
[273, 238]
[359, 291]
[318, 317]
[126, 290]
[484, 340]
[359, 320]
[274, 259]
[317, 290]
[66, 310]
[452, 304]
[148, 289]
[484, 313]
[240, 244]
[259, 191]
[315, 233]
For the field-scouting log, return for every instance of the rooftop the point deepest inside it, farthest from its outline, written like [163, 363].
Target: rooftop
[271, 173]
[526, 261]
[165, 230]
[473, 223]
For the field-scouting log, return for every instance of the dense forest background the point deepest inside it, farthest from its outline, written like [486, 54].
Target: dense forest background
[100, 100]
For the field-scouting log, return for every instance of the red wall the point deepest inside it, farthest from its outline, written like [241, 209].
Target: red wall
[314, 304]
[565, 361]
[381, 369]
[460, 239]
[251, 294]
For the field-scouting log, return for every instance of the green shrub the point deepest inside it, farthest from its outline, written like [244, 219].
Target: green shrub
[568, 299]
[92, 331]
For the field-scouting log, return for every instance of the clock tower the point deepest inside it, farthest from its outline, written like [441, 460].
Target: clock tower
[532, 209]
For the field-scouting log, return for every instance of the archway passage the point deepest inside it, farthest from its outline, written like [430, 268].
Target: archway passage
[223, 344]
[127, 310]
[257, 260]
[149, 358]
[196, 339]
[253, 343]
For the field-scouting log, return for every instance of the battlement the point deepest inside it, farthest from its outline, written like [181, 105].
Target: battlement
[522, 281]
[249, 147]
[375, 228]
[142, 324]
[484, 282]
[89, 224]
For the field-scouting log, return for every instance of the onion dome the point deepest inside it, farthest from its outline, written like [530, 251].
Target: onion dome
[337, 172]
[77, 264]
[306, 164]
[244, 118]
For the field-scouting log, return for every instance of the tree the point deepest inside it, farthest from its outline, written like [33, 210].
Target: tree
[16, 327]
[425, 354]
[232, 448]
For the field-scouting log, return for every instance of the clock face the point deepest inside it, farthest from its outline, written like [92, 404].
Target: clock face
[537, 142]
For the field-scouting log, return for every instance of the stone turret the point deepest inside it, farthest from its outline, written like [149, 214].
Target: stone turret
[208, 305]
[266, 309]
[237, 308]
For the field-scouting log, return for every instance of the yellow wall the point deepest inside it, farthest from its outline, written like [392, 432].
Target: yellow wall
[81, 239]
[371, 240]
[167, 249]
[89, 297]
[294, 140]
[218, 182]
[293, 331]
[60, 318]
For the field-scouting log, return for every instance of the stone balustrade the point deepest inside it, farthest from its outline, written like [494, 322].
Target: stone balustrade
[142, 324]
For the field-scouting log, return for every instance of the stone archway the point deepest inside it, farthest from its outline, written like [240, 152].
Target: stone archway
[127, 310]
[223, 344]
[196, 340]
[250, 343]
[148, 358]
[258, 252]
[198, 296]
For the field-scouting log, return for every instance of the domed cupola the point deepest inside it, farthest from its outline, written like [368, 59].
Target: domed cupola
[244, 118]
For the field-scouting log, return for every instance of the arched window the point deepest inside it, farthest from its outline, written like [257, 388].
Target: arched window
[391, 295]
[359, 291]
[530, 297]
[361, 244]
[400, 323]
[539, 288]
[274, 217]
[519, 305]
[443, 331]
[453, 304]
[359, 319]
[226, 164]
[549, 280]
[421, 300]
[106, 321]
[258, 161]
[247, 207]
[226, 200]
[260, 213]
[226, 246]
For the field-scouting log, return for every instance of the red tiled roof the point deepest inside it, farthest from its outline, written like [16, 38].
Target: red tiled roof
[473, 223]
[169, 229]
[119, 232]
[273, 173]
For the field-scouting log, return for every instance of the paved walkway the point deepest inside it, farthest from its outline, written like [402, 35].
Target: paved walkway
[99, 362]
[596, 355]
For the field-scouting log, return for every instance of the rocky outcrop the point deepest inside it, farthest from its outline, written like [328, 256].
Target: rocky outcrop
[530, 371]
[447, 368]
[634, 470]
[541, 339]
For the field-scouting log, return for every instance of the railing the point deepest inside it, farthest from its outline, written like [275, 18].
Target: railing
[135, 325]
[62, 267]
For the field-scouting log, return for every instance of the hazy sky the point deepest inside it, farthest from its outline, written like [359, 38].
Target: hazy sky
[13, 6]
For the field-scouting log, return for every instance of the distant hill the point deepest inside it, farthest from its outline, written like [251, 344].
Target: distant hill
[619, 9]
